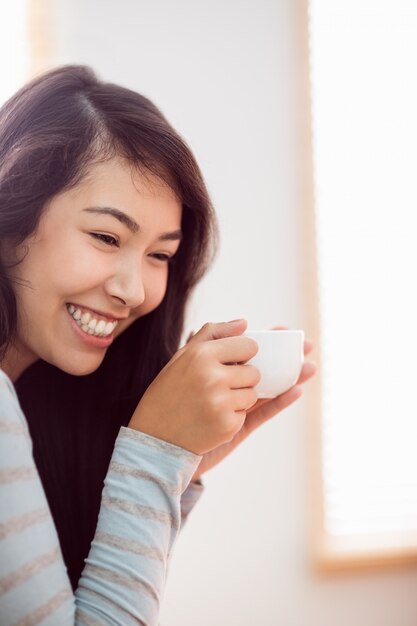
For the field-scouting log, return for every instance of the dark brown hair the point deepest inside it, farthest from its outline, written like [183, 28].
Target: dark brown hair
[51, 132]
[53, 129]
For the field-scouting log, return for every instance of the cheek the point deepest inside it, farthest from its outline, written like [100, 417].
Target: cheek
[84, 266]
[61, 266]
[155, 289]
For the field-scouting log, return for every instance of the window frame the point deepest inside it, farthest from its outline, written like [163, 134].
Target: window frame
[329, 553]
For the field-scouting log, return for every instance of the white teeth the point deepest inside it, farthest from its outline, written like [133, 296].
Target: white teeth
[85, 318]
[89, 324]
[100, 326]
[92, 324]
[110, 326]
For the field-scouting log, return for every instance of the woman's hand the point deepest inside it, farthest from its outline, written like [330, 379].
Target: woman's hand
[258, 414]
[200, 399]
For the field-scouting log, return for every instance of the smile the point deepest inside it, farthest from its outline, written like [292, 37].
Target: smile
[92, 323]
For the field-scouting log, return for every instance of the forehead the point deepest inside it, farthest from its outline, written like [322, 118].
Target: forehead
[144, 197]
[119, 177]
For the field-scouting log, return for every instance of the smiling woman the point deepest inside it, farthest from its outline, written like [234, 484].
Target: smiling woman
[105, 228]
[113, 267]
[90, 144]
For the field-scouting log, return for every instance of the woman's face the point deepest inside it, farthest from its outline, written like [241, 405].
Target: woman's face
[97, 261]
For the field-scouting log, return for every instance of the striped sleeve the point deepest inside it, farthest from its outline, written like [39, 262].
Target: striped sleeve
[139, 519]
[189, 499]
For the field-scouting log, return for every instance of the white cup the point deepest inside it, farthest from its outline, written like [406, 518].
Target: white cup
[279, 359]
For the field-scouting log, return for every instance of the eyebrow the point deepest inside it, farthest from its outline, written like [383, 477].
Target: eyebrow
[175, 235]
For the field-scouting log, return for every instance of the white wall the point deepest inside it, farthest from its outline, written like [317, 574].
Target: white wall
[225, 73]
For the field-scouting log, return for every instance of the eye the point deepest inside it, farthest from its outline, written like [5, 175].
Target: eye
[109, 240]
[164, 258]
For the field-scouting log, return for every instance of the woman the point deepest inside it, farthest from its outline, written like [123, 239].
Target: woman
[106, 226]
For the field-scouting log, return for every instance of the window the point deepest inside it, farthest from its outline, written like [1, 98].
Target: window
[25, 42]
[364, 120]
[14, 47]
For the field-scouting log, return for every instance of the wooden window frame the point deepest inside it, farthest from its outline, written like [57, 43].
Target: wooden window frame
[329, 553]
[40, 16]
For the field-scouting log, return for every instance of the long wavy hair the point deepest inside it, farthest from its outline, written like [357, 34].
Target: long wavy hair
[51, 132]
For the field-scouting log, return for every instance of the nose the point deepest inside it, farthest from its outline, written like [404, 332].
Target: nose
[126, 285]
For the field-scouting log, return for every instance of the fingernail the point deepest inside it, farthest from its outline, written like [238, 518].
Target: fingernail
[234, 321]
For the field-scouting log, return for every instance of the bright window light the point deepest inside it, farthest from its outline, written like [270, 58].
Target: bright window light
[14, 47]
[364, 109]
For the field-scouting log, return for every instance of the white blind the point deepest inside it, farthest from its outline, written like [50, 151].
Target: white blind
[14, 47]
[364, 104]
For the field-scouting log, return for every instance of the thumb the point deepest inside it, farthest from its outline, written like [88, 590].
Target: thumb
[219, 330]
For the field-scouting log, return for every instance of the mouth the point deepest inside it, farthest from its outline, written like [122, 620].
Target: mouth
[90, 322]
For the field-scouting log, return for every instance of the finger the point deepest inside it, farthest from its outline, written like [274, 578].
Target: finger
[307, 371]
[269, 408]
[241, 416]
[283, 401]
[220, 330]
[240, 376]
[308, 346]
[190, 336]
[279, 328]
[244, 399]
[234, 349]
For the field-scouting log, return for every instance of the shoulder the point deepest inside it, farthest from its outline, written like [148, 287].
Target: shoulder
[6, 384]
[10, 410]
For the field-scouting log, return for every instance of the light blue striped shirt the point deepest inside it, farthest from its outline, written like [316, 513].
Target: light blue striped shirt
[146, 495]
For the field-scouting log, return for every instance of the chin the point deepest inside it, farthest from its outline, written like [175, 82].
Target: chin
[79, 367]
